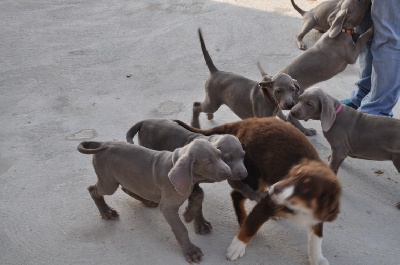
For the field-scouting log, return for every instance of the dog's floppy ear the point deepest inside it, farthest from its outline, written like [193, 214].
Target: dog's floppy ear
[180, 174]
[266, 83]
[329, 206]
[338, 23]
[296, 84]
[328, 114]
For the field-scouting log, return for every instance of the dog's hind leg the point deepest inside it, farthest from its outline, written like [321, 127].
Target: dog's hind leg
[146, 203]
[208, 106]
[194, 211]
[396, 162]
[96, 192]
[308, 24]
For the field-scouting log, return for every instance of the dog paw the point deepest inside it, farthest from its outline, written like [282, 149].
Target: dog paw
[192, 254]
[202, 227]
[235, 250]
[302, 46]
[109, 214]
[310, 132]
[319, 261]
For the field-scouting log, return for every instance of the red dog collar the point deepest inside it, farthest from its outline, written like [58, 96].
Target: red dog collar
[348, 31]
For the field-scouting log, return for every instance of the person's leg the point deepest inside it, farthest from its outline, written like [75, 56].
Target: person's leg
[385, 49]
[365, 65]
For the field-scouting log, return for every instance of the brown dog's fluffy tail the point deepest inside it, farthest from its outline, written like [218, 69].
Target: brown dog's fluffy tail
[298, 9]
[133, 131]
[91, 147]
[206, 55]
[229, 128]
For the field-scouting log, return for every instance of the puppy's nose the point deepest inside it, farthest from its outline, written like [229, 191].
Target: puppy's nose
[290, 105]
[225, 172]
[294, 113]
[239, 174]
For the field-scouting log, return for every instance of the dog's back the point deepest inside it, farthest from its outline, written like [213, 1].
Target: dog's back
[272, 147]
[161, 134]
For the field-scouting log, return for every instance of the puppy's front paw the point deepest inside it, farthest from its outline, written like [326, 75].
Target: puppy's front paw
[319, 261]
[192, 253]
[310, 132]
[109, 214]
[202, 227]
[236, 249]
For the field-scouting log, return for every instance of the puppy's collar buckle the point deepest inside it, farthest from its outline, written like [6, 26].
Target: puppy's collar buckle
[348, 31]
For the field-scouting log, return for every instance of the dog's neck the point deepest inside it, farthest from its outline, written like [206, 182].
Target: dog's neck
[269, 95]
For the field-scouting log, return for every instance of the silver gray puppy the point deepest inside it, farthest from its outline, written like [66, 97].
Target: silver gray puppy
[348, 131]
[246, 98]
[163, 177]
[334, 50]
[163, 134]
[322, 16]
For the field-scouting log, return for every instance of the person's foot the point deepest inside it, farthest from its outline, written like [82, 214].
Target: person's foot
[348, 103]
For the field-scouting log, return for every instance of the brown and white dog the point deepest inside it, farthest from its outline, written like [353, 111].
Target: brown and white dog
[308, 195]
[301, 186]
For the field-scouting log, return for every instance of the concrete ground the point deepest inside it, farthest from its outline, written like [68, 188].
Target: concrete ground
[77, 70]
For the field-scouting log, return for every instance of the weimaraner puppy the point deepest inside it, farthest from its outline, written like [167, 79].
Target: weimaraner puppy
[322, 16]
[333, 51]
[163, 177]
[163, 134]
[245, 97]
[348, 131]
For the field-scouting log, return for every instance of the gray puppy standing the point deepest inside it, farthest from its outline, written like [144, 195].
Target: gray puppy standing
[163, 177]
[334, 50]
[348, 131]
[319, 18]
[322, 16]
[163, 134]
[245, 97]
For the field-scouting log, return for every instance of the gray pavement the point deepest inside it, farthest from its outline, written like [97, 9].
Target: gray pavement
[78, 70]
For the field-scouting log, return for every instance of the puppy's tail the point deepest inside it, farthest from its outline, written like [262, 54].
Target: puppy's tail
[133, 131]
[206, 55]
[92, 147]
[229, 128]
[298, 9]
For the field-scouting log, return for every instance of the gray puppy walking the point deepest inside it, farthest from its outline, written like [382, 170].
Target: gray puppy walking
[246, 98]
[163, 177]
[348, 131]
[334, 50]
[163, 134]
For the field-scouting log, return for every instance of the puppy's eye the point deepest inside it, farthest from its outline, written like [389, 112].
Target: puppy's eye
[228, 158]
[278, 91]
[309, 103]
[208, 162]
